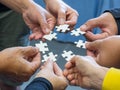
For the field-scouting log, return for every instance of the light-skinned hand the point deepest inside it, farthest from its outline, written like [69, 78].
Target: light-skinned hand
[105, 51]
[85, 72]
[63, 12]
[105, 22]
[18, 64]
[52, 72]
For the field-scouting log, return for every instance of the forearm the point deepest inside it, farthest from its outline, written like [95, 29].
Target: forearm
[98, 78]
[18, 5]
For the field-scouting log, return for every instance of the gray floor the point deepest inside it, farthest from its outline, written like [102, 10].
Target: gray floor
[57, 48]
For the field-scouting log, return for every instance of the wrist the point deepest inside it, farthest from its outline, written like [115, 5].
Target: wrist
[99, 75]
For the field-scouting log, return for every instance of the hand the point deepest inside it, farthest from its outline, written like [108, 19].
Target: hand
[39, 21]
[105, 22]
[105, 51]
[18, 64]
[85, 72]
[53, 73]
[64, 13]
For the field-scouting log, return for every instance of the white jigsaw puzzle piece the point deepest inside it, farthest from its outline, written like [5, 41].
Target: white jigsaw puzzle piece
[43, 47]
[50, 36]
[51, 56]
[80, 44]
[67, 55]
[77, 32]
[62, 28]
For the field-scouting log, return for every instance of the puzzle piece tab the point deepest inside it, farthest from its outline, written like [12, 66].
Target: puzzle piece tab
[51, 56]
[80, 44]
[77, 32]
[67, 55]
[62, 28]
[43, 47]
[50, 36]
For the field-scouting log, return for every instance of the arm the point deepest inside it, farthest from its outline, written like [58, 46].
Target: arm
[50, 77]
[63, 12]
[39, 84]
[116, 15]
[17, 5]
[37, 18]
[112, 80]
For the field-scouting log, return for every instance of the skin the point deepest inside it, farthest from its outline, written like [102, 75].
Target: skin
[52, 72]
[105, 51]
[105, 22]
[18, 64]
[62, 12]
[85, 72]
[39, 20]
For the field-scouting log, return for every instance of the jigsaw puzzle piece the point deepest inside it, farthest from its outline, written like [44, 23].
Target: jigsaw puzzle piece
[67, 55]
[43, 47]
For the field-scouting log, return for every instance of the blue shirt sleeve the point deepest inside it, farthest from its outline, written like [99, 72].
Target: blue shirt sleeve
[39, 84]
[116, 14]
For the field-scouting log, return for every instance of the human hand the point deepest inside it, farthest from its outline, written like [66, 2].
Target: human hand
[64, 13]
[53, 73]
[85, 72]
[39, 20]
[18, 64]
[105, 22]
[105, 51]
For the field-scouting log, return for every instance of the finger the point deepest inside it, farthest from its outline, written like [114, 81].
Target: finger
[49, 64]
[68, 65]
[90, 24]
[51, 22]
[70, 77]
[57, 70]
[73, 82]
[65, 73]
[90, 53]
[70, 71]
[31, 37]
[44, 25]
[61, 16]
[95, 45]
[72, 19]
[29, 51]
[91, 36]
[35, 63]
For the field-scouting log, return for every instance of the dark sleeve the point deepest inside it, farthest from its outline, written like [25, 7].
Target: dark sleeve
[116, 14]
[39, 84]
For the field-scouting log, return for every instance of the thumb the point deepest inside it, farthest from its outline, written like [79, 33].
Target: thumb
[57, 69]
[49, 64]
[29, 51]
[61, 16]
[84, 63]
[90, 24]
[44, 25]
[95, 45]
[35, 63]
